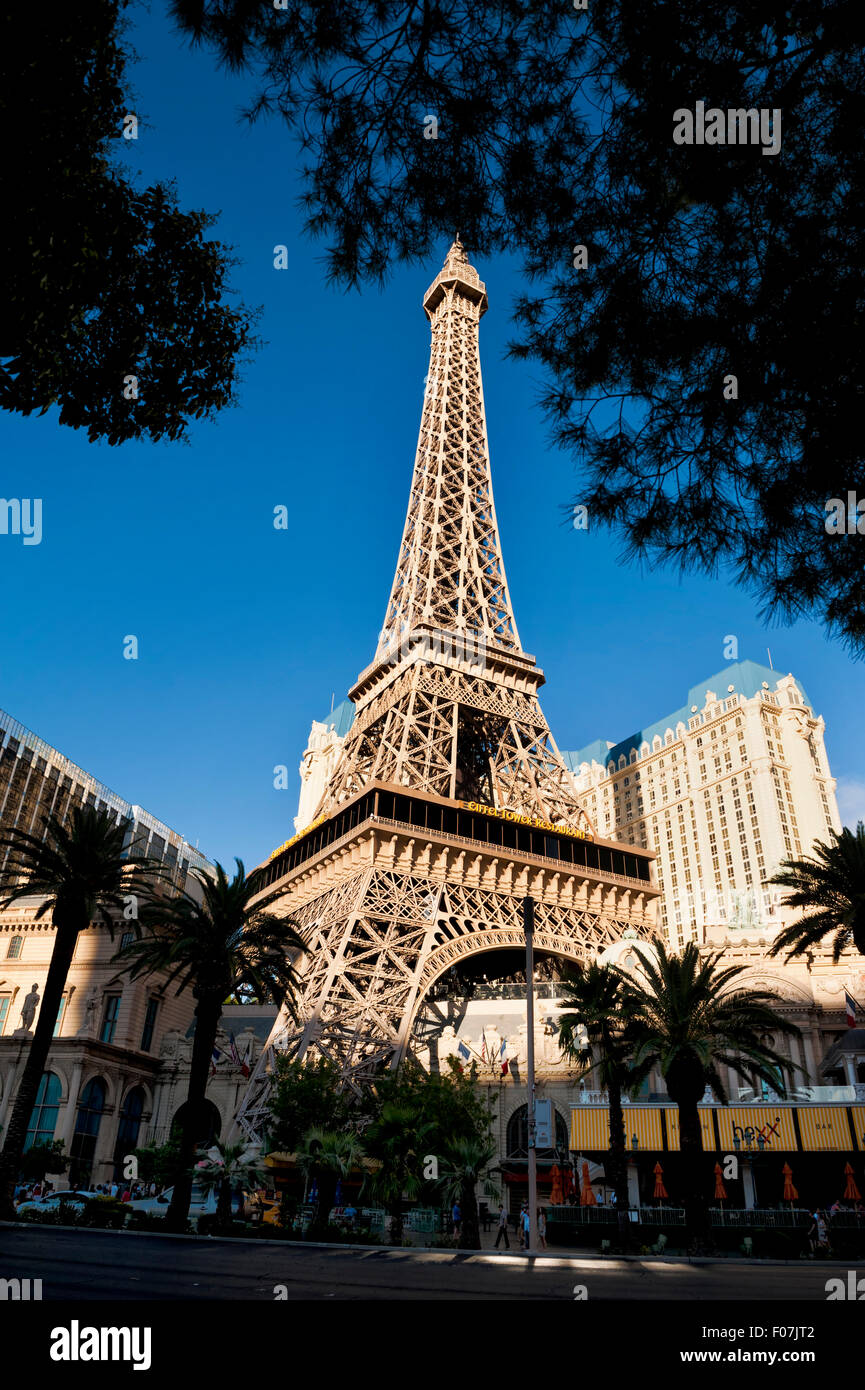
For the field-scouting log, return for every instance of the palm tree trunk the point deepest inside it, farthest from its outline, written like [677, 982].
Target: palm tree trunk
[618, 1156]
[207, 1016]
[43, 1034]
[691, 1146]
[223, 1203]
[470, 1234]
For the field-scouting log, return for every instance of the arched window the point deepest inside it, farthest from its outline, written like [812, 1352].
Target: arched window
[91, 1108]
[43, 1116]
[656, 742]
[128, 1127]
[210, 1123]
[518, 1135]
[622, 760]
[633, 755]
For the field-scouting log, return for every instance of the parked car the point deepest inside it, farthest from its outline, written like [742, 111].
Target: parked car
[74, 1200]
[201, 1203]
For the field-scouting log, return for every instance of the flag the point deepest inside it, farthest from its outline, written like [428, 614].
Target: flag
[236, 1058]
[850, 1006]
[484, 1047]
[503, 1057]
[464, 1051]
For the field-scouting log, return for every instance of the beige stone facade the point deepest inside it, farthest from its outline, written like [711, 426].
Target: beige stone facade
[722, 791]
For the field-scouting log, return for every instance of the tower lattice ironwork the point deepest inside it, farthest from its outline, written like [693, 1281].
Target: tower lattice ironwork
[450, 801]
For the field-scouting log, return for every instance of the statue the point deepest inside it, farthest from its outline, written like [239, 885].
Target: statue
[29, 1007]
[88, 1027]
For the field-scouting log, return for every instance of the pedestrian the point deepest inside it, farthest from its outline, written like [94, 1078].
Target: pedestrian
[457, 1218]
[151, 1191]
[600, 1198]
[115, 1188]
[818, 1234]
[526, 1227]
[542, 1230]
[524, 1211]
[503, 1228]
[127, 1195]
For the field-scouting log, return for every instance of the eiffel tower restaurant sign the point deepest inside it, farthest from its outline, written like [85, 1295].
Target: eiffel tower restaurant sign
[450, 801]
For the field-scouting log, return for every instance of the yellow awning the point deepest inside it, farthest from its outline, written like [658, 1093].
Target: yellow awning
[706, 1127]
[858, 1112]
[824, 1127]
[750, 1123]
[590, 1127]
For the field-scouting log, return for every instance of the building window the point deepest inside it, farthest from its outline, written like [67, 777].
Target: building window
[58, 1024]
[14, 951]
[127, 939]
[149, 1024]
[518, 1134]
[109, 1018]
[129, 1127]
[4, 1009]
[43, 1116]
[90, 1110]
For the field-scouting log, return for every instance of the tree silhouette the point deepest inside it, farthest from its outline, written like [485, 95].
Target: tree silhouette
[536, 128]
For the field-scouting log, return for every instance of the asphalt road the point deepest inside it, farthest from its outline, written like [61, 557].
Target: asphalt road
[101, 1265]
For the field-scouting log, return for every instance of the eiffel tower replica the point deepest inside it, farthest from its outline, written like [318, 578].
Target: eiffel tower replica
[450, 802]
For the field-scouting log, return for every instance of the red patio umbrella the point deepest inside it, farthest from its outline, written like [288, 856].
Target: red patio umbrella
[660, 1190]
[790, 1193]
[556, 1190]
[851, 1191]
[587, 1196]
[720, 1189]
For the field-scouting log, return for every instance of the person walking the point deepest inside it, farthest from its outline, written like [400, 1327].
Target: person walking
[457, 1218]
[542, 1230]
[502, 1228]
[523, 1225]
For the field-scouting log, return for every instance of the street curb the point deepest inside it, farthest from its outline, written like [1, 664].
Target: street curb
[444, 1250]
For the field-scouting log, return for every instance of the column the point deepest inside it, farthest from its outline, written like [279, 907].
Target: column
[67, 1120]
[748, 1184]
[633, 1183]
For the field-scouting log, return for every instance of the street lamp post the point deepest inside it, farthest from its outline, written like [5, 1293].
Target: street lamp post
[529, 928]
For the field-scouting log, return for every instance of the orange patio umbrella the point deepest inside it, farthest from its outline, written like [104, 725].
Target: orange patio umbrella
[556, 1190]
[587, 1196]
[660, 1190]
[790, 1193]
[851, 1191]
[720, 1189]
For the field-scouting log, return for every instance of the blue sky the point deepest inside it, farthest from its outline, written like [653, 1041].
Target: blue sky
[245, 632]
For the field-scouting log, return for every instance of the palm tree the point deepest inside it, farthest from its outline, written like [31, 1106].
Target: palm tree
[831, 888]
[689, 1017]
[228, 1166]
[329, 1156]
[465, 1163]
[214, 947]
[594, 1037]
[80, 868]
[400, 1140]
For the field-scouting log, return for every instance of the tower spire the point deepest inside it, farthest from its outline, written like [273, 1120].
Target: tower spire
[450, 574]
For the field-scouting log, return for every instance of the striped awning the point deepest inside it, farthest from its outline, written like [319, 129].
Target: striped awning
[858, 1112]
[824, 1127]
[749, 1123]
[706, 1128]
[590, 1127]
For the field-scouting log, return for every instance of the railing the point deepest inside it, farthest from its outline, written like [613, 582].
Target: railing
[774, 1218]
[496, 851]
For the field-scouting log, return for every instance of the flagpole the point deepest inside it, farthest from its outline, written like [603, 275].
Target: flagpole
[529, 928]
